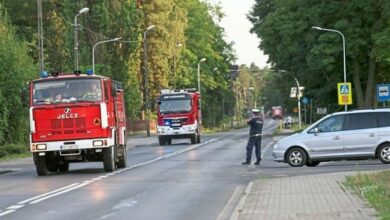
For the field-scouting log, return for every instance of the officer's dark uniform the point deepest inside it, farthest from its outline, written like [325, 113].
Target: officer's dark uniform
[256, 123]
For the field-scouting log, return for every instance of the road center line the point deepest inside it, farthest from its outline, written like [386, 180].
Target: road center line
[6, 212]
[59, 193]
[45, 194]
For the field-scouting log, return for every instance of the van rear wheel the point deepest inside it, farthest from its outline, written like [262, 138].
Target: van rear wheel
[296, 157]
[384, 153]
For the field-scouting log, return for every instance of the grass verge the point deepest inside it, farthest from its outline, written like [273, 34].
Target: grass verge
[13, 151]
[375, 188]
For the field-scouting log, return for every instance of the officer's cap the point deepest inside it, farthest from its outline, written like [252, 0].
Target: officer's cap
[255, 110]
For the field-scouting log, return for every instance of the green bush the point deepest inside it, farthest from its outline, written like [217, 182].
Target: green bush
[13, 149]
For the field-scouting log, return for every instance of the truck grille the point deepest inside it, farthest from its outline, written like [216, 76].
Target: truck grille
[68, 126]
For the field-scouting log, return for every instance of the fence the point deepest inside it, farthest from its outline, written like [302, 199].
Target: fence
[136, 126]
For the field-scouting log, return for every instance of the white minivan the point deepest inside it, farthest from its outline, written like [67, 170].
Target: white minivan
[350, 135]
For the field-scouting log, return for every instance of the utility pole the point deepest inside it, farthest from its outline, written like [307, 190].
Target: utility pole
[40, 37]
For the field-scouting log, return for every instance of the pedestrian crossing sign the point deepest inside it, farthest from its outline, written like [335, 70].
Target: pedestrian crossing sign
[344, 91]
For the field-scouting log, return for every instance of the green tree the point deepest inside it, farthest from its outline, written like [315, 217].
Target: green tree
[315, 58]
[16, 69]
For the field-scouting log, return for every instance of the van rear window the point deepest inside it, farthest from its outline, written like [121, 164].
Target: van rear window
[383, 119]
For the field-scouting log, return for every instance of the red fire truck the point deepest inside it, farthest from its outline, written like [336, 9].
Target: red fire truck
[178, 116]
[76, 118]
[277, 112]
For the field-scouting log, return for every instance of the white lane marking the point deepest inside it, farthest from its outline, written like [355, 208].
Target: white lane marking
[15, 207]
[74, 186]
[58, 193]
[240, 206]
[6, 212]
[45, 194]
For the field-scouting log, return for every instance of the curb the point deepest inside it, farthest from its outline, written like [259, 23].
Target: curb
[240, 206]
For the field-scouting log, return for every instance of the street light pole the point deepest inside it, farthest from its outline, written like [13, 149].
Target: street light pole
[146, 91]
[76, 40]
[93, 50]
[178, 45]
[200, 61]
[344, 60]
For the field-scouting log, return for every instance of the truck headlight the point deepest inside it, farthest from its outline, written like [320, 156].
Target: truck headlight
[41, 146]
[97, 143]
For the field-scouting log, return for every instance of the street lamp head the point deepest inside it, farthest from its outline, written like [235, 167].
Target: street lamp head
[118, 38]
[202, 60]
[150, 27]
[215, 69]
[316, 27]
[83, 10]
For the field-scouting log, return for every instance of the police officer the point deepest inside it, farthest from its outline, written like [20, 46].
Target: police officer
[256, 123]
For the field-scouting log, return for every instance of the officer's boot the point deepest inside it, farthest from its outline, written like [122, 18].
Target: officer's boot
[246, 163]
[257, 162]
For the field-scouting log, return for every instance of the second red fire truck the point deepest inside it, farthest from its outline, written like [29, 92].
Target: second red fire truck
[76, 118]
[178, 116]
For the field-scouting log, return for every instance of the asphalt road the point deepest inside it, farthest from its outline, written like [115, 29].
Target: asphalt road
[180, 181]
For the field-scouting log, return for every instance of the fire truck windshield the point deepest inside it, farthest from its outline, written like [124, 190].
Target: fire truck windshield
[180, 104]
[66, 91]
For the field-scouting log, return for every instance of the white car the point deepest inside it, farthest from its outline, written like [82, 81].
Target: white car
[350, 135]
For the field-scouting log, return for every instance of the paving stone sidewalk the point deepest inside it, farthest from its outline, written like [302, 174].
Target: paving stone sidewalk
[319, 196]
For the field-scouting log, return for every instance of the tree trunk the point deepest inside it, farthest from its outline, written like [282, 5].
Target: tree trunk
[357, 84]
[369, 99]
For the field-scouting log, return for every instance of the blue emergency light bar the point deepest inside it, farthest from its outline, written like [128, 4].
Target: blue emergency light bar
[45, 74]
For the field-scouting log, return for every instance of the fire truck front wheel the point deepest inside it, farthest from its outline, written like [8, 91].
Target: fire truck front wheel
[109, 159]
[161, 140]
[40, 164]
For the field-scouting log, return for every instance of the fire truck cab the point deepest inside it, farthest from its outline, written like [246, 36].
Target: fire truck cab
[76, 118]
[178, 116]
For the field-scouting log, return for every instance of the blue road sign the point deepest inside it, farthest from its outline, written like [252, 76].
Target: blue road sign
[383, 92]
[305, 100]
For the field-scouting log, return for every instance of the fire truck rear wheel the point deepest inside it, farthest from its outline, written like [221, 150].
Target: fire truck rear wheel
[122, 163]
[109, 159]
[40, 164]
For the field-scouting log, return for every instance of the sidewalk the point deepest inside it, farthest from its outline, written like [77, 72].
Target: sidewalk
[319, 196]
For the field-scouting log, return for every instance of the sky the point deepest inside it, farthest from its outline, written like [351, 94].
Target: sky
[237, 28]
